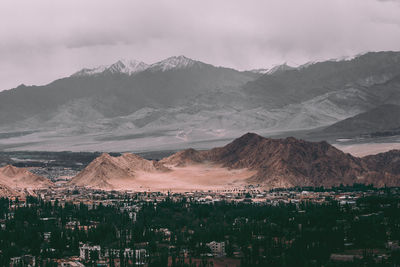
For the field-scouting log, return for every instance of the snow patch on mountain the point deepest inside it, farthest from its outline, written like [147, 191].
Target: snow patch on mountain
[176, 62]
[346, 58]
[124, 66]
[128, 66]
[274, 69]
[90, 72]
[131, 67]
[259, 71]
[339, 59]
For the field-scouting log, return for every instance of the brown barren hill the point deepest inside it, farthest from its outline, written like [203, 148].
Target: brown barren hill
[6, 191]
[107, 172]
[384, 168]
[290, 162]
[250, 159]
[20, 178]
[184, 171]
[388, 162]
[185, 157]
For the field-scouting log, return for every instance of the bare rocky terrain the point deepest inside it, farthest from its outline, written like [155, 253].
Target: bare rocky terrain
[248, 160]
[18, 181]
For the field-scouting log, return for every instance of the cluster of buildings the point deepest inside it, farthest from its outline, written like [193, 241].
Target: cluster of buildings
[93, 197]
[131, 203]
[94, 253]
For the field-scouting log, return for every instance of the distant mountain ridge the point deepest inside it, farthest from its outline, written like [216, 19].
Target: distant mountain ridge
[115, 93]
[121, 66]
[275, 69]
[383, 118]
[180, 102]
[132, 66]
[322, 77]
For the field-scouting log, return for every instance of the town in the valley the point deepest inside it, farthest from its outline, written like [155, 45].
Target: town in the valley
[91, 209]
[340, 226]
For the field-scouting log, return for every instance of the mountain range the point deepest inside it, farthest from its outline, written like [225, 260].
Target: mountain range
[248, 160]
[180, 102]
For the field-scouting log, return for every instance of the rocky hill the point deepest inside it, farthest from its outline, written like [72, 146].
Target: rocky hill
[388, 162]
[17, 179]
[185, 157]
[275, 163]
[284, 162]
[107, 172]
[6, 191]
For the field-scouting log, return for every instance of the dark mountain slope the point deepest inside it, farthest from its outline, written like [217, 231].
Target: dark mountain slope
[115, 94]
[388, 162]
[380, 119]
[293, 86]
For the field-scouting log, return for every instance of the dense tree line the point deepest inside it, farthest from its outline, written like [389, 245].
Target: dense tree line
[292, 234]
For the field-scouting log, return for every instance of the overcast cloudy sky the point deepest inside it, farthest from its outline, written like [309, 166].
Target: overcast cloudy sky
[43, 40]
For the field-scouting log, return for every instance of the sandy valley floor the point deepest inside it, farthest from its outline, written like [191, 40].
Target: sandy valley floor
[201, 177]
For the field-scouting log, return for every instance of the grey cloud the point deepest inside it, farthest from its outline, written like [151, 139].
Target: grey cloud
[68, 35]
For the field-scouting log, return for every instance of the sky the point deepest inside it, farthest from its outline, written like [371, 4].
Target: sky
[44, 40]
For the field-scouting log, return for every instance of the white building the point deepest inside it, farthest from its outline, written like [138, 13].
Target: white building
[128, 253]
[86, 251]
[140, 257]
[16, 261]
[217, 248]
[72, 264]
[25, 260]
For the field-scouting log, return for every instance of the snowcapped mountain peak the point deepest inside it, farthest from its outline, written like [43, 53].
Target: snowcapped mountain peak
[176, 62]
[338, 59]
[127, 66]
[131, 67]
[274, 69]
[90, 72]
[346, 58]
[121, 66]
